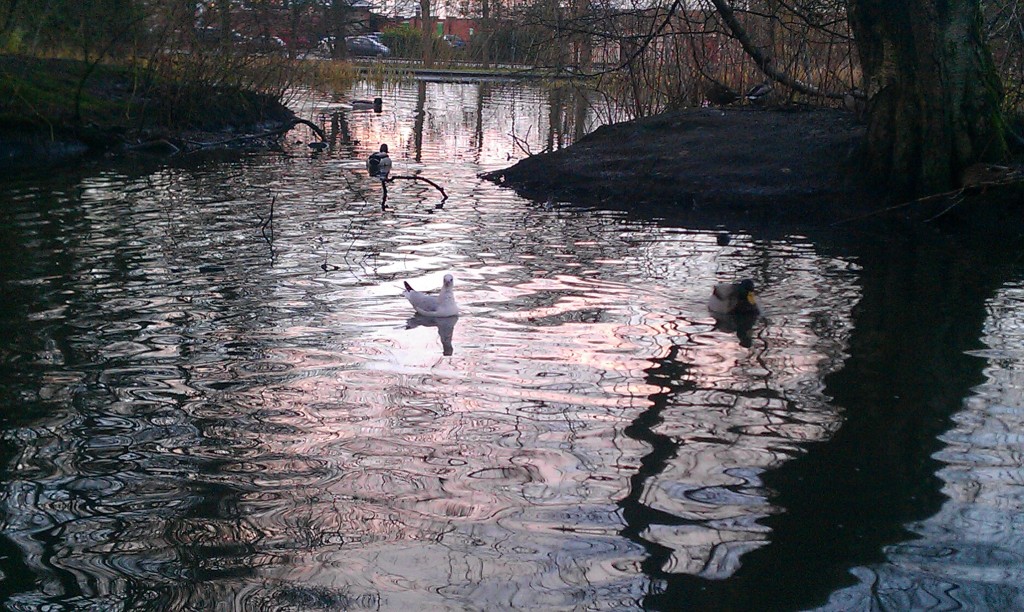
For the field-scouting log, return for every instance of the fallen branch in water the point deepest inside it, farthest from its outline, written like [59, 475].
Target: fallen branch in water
[955, 197]
[444, 196]
[284, 129]
[391, 179]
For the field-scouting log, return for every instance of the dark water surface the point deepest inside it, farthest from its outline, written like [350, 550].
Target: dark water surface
[209, 407]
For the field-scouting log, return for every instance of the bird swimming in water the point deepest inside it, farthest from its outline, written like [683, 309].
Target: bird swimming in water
[377, 104]
[733, 298]
[759, 93]
[379, 164]
[440, 305]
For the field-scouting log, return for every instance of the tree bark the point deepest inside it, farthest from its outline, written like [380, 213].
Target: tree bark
[427, 34]
[484, 35]
[934, 95]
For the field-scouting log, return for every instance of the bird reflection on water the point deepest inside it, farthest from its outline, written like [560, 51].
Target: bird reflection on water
[445, 329]
[741, 324]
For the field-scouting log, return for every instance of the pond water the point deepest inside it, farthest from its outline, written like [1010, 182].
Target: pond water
[216, 397]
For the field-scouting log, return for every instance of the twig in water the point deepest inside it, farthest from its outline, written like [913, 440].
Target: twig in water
[277, 132]
[522, 143]
[956, 196]
[896, 207]
[268, 222]
[444, 196]
[325, 266]
[264, 224]
[384, 187]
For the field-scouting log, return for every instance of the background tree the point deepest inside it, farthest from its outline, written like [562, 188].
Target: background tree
[924, 68]
[935, 96]
[427, 33]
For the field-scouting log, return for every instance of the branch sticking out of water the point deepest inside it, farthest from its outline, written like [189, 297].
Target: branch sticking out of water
[391, 179]
[444, 196]
[276, 132]
[268, 223]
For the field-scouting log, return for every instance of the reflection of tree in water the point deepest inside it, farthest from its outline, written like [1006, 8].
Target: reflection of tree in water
[724, 413]
[846, 504]
[337, 128]
[712, 519]
[668, 373]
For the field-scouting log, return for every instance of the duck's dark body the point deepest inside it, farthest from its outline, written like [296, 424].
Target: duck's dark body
[379, 164]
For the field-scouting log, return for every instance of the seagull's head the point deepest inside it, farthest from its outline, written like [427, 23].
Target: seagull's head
[448, 281]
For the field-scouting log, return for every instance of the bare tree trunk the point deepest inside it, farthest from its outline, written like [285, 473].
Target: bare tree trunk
[338, 24]
[934, 93]
[224, 18]
[582, 44]
[485, 34]
[427, 37]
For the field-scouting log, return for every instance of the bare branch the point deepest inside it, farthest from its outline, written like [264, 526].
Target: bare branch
[763, 61]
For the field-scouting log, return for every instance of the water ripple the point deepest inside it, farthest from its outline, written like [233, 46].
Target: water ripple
[216, 418]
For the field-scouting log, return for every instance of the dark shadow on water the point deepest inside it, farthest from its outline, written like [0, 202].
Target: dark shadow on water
[670, 374]
[923, 306]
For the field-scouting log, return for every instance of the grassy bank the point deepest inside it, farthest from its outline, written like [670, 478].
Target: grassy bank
[108, 105]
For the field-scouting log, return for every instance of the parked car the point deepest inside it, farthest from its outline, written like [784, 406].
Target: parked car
[267, 44]
[454, 41]
[366, 46]
[214, 36]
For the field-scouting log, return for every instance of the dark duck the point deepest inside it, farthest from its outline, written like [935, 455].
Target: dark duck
[379, 164]
[733, 298]
[720, 95]
[758, 94]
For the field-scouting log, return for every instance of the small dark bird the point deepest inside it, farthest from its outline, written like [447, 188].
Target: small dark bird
[377, 104]
[379, 164]
[720, 95]
[759, 93]
[733, 298]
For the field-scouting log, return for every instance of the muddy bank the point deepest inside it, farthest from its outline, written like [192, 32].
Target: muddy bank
[710, 165]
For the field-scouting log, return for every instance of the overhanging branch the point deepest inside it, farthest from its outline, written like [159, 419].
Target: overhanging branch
[763, 61]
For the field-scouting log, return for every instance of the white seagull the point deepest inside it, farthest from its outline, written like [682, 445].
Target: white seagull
[440, 305]
[379, 164]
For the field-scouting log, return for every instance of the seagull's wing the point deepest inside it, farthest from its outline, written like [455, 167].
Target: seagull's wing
[421, 302]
